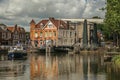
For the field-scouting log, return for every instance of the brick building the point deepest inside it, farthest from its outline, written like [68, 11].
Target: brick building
[51, 32]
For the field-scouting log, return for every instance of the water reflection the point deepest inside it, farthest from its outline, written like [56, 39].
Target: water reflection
[72, 67]
[3, 57]
[113, 72]
[67, 67]
[14, 70]
[44, 67]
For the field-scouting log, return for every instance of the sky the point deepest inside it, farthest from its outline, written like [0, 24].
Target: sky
[21, 12]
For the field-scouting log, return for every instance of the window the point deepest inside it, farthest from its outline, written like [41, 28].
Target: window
[54, 33]
[36, 34]
[3, 35]
[45, 34]
[50, 34]
[9, 35]
[40, 34]
[41, 42]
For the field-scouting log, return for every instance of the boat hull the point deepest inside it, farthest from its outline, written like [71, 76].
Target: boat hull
[17, 56]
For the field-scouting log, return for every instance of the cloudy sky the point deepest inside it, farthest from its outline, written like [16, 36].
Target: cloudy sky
[21, 12]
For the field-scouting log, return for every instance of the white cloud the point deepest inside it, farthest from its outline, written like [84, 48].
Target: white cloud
[22, 11]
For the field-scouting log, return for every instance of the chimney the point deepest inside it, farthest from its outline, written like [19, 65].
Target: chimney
[51, 18]
[16, 26]
[68, 24]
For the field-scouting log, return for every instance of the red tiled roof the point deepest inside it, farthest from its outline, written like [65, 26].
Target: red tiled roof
[57, 23]
[11, 28]
[43, 22]
[19, 29]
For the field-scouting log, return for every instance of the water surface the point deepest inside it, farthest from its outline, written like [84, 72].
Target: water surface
[63, 67]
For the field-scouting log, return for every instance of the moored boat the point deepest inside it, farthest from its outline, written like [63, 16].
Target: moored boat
[53, 50]
[17, 53]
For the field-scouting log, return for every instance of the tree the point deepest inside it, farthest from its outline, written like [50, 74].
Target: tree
[112, 19]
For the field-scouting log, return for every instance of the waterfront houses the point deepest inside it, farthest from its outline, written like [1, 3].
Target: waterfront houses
[43, 33]
[67, 36]
[11, 35]
[18, 34]
[51, 31]
[5, 35]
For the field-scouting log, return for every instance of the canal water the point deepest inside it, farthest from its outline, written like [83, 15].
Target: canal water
[87, 66]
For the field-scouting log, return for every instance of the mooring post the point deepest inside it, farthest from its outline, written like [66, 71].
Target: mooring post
[48, 50]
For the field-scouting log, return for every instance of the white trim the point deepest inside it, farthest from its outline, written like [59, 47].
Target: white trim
[47, 24]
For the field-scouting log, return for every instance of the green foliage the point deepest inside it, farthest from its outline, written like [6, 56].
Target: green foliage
[104, 29]
[116, 60]
[112, 17]
[112, 20]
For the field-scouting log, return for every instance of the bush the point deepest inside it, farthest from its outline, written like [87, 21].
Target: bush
[116, 60]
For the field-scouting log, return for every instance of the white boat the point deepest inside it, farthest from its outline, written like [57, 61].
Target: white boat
[17, 53]
[17, 49]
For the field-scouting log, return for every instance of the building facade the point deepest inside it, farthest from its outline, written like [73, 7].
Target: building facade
[18, 34]
[67, 36]
[43, 33]
[5, 35]
[91, 30]
[51, 32]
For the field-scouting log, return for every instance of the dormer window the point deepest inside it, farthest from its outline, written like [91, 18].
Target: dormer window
[41, 25]
[50, 25]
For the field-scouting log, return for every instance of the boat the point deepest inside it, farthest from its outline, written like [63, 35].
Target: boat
[41, 49]
[53, 50]
[17, 53]
[3, 50]
[12, 69]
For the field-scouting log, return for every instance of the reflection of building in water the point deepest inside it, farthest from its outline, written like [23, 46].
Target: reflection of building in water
[84, 67]
[113, 72]
[11, 68]
[44, 67]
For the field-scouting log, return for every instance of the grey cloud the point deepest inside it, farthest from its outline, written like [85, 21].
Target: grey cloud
[22, 11]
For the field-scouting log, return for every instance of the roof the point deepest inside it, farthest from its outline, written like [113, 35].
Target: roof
[2, 24]
[32, 21]
[11, 28]
[19, 29]
[56, 22]
[82, 20]
[3, 28]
